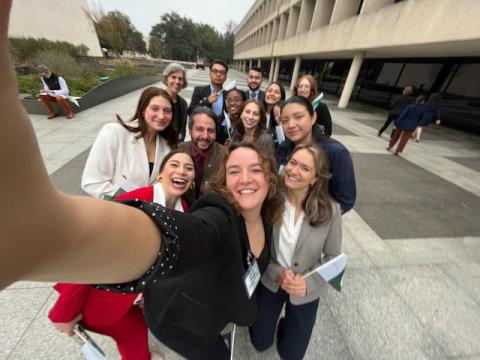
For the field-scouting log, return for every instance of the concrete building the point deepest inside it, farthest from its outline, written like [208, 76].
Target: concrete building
[368, 50]
[54, 20]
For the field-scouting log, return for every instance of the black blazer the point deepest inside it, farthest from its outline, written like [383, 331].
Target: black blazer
[196, 284]
[200, 98]
[180, 117]
[324, 118]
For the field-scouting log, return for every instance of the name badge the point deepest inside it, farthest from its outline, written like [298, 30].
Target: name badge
[252, 278]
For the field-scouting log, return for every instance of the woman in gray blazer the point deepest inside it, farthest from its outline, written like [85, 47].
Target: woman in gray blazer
[251, 127]
[310, 234]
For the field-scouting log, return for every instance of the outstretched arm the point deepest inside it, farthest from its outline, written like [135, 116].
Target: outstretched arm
[49, 236]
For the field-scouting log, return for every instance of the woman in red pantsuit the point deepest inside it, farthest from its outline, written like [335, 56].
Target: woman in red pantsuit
[115, 314]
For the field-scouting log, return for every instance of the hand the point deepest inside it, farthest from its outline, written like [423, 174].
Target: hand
[284, 277]
[67, 327]
[212, 98]
[296, 286]
[43, 91]
[227, 143]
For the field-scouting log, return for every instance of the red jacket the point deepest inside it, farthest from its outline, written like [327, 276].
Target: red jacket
[98, 307]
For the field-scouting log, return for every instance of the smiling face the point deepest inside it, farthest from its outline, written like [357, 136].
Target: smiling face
[254, 80]
[177, 175]
[297, 123]
[203, 132]
[175, 82]
[246, 180]
[250, 116]
[300, 171]
[273, 94]
[304, 89]
[233, 102]
[158, 114]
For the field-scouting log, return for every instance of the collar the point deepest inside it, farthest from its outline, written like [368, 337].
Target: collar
[159, 197]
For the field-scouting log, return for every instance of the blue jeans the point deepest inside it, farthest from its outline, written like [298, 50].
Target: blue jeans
[294, 331]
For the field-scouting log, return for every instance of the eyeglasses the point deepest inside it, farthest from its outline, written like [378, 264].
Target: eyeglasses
[235, 100]
[218, 72]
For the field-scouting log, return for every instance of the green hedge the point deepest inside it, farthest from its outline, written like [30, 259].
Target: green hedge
[26, 48]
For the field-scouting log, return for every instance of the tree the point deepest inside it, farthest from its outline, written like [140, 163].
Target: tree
[115, 31]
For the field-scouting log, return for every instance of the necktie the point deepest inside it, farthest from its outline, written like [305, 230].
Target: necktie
[198, 174]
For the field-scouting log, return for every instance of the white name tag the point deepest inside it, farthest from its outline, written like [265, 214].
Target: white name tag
[252, 278]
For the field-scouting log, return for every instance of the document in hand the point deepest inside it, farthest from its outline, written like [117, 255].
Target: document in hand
[316, 101]
[332, 271]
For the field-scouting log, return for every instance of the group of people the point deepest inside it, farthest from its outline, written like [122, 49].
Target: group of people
[410, 117]
[207, 231]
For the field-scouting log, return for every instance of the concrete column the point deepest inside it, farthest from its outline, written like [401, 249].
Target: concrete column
[296, 69]
[272, 70]
[277, 70]
[292, 21]
[259, 63]
[344, 10]
[322, 13]
[306, 12]
[249, 64]
[351, 79]
[282, 26]
[374, 5]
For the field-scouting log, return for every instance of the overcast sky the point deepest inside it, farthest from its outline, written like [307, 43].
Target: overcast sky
[146, 13]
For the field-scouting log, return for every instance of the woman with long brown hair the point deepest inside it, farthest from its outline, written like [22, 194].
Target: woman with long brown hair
[310, 233]
[251, 126]
[130, 152]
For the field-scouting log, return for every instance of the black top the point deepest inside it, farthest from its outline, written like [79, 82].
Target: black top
[180, 117]
[52, 82]
[196, 284]
[150, 167]
[324, 119]
[400, 103]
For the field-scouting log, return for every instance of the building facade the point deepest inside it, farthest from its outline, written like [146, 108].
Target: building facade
[368, 50]
[54, 20]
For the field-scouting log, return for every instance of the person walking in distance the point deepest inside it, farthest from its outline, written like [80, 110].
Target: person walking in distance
[399, 103]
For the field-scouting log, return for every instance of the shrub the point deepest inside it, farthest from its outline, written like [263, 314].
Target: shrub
[80, 86]
[60, 63]
[127, 70]
[29, 84]
[26, 48]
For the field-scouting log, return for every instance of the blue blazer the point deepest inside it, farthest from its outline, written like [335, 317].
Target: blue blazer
[410, 117]
[261, 95]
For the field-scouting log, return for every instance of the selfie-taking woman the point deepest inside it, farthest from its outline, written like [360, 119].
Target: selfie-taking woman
[131, 151]
[310, 234]
[251, 126]
[113, 314]
[175, 78]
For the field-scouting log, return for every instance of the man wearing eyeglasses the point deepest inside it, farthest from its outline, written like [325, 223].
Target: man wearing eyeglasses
[207, 154]
[211, 95]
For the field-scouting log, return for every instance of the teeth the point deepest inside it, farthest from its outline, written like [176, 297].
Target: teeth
[179, 181]
[247, 191]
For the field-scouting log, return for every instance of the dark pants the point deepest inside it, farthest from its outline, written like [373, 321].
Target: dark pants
[182, 342]
[389, 120]
[405, 136]
[294, 331]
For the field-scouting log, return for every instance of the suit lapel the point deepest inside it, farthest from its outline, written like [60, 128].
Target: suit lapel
[305, 230]
[276, 239]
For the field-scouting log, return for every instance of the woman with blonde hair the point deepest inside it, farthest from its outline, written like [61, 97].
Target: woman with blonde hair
[307, 87]
[310, 234]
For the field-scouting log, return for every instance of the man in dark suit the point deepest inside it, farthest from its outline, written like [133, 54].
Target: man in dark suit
[207, 154]
[254, 81]
[211, 95]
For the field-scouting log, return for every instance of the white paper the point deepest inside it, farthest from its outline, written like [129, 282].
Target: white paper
[230, 85]
[91, 353]
[330, 269]
[280, 134]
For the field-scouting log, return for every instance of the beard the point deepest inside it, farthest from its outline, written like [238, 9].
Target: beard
[203, 142]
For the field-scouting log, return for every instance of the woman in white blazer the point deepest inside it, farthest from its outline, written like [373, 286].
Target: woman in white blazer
[310, 233]
[128, 154]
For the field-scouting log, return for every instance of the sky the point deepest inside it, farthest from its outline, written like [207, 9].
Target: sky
[145, 13]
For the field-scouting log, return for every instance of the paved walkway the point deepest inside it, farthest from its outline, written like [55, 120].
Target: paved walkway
[412, 288]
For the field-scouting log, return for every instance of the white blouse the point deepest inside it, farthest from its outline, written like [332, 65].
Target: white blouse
[159, 197]
[288, 235]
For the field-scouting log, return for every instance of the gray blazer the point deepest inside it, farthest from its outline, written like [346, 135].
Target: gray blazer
[315, 245]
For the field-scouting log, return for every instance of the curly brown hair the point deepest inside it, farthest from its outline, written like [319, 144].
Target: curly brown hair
[272, 208]
[318, 203]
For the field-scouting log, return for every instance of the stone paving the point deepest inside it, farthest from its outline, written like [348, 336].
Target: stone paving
[412, 286]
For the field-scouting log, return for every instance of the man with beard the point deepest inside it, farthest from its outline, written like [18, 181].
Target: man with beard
[254, 82]
[207, 154]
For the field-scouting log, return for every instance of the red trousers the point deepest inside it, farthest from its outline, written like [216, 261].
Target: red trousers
[405, 136]
[47, 99]
[130, 333]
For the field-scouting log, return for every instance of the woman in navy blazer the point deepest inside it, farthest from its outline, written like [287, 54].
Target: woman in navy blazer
[310, 233]
[406, 123]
